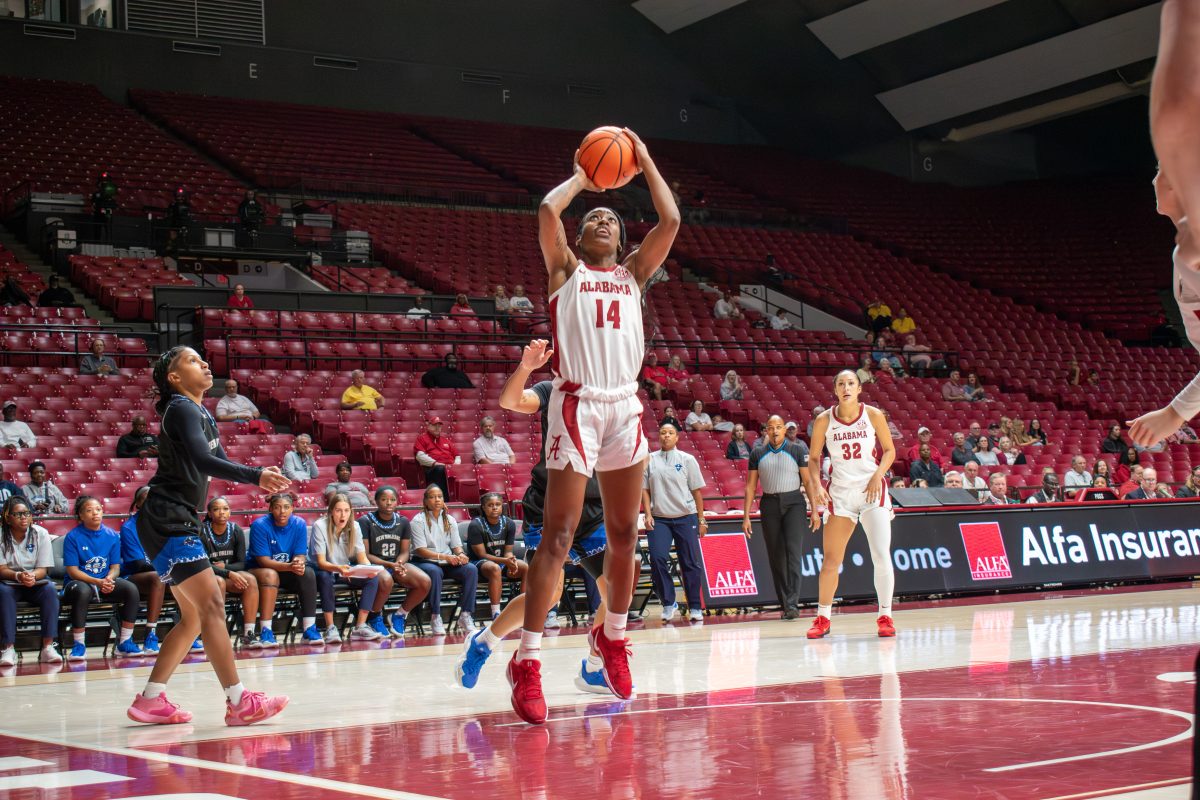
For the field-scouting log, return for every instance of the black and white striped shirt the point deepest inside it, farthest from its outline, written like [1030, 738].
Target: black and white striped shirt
[779, 468]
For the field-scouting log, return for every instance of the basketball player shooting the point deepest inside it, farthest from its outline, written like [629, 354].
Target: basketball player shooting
[595, 416]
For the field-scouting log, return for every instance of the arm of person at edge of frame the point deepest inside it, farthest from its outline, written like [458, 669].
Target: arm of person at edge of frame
[514, 396]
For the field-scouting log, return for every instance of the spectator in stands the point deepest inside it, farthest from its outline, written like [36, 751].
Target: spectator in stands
[971, 479]
[1010, 454]
[359, 395]
[903, 324]
[299, 463]
[490, 448]
[816, 412]
[1185, 435]
[336, 544]
[239, 298]
[697, 420]
[438, 551]
[500, 298]
[357, 494]
[1076, 477]
[993, 431]
[418, 309]
[739, 448]
[973, 389]
[447, 376]
[727, 307]
[880, 315]
[897, 483]
[676, 371]
[720, 424]
[997, 493]
[864, 373]
[1049, 491]
[92, 557]
[462, 306]
[234, 407]
[251, 215]
[732, 387]
[1148, 486]
[388, 539]
[43, 496]
[97, 363]
[15, 435]
[1114, 443]
[1191, 487]
[1132, 483]
[791, 432]
[279, 544]
[974, 431]
[519, 303]
[11, 293]
[56, 296]
[670, 418]
[984, 453]
[925, 437]
[925, 468]
[26, 555]
[953, 390]
[1093, 379]
[962, 453]
[1074, 373]
[226, 544]
[1036, 431]
[954, 480]
[918, 483]
[1101, 468]
[1125, 464]
[435, 452]
[9, 489]
[139, 442]
[887, 374]
[780, 321]
[137, 569]
[882, 353]
[654, 377]
[918, 356]
[490, 538]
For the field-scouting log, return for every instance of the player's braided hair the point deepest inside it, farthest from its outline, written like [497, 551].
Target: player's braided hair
[162, 368]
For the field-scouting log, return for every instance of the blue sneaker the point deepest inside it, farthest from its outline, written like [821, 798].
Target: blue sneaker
[312, 636]
[267, 638]
[197, 646]
[593, 682]
[129, 648]
[78, 652]
[398, 622]
[151, 644]
[475, 654]
[379, 626]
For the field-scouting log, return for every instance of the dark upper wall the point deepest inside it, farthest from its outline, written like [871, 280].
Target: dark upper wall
[411, 56]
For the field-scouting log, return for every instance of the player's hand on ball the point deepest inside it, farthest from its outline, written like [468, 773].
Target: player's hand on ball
[639, 148]
[536, 354]
[581, 175]
[272, 480]
[1150, 429]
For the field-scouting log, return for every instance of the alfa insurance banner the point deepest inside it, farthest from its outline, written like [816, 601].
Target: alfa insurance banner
[971, 550]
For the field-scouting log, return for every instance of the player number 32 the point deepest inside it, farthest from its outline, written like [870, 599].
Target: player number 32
[851, 451]
[613, 315]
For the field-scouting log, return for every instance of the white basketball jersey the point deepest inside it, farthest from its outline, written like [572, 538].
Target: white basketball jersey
[851, 449]
[596, 317]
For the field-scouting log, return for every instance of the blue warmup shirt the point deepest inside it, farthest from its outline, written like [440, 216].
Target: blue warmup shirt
[280, 544]
[131, 546]
[94, 552]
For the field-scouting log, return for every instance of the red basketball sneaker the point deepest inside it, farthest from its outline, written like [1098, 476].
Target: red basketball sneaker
[616, 661]
[820, 628]
[886, 626]
[525, 678]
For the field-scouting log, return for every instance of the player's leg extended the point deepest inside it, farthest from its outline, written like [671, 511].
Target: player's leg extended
[621, 492]
[564, 503]
[877, 523]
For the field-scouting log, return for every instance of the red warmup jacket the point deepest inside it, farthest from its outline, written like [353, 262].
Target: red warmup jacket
[440, 449]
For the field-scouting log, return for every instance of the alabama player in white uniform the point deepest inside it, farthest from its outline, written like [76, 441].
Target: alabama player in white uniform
[851, 431]
[595, 416]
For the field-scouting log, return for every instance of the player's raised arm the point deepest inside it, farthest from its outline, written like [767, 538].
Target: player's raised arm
[656, 246]
[514, 396]
[551, 235]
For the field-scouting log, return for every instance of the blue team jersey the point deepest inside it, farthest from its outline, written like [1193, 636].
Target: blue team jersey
[94, 552]
[280, 544]
[131, 546]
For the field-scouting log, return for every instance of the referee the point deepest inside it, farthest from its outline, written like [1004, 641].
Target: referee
[783, 465]
[674, 511]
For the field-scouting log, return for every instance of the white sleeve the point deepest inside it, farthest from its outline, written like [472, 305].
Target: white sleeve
[418, 532]
[1187, 402]
[695, 479]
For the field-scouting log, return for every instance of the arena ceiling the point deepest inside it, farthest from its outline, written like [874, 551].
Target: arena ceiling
[833, 76]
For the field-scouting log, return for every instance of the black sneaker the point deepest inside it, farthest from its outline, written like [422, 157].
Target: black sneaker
[791, 613]
[248, 641]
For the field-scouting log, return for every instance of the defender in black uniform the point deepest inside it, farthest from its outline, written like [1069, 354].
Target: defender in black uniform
[388, 540]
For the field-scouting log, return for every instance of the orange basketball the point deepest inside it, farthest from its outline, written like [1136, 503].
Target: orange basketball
[607, 157]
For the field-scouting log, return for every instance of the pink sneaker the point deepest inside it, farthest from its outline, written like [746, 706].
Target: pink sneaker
[255, 707]
[159, 711]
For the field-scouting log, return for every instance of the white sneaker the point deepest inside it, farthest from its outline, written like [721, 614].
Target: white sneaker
[9, 657]
[365, 633]
[696, 615]
[466, 622]
[669, 612]
[332, 636]
[552, 622]
[50, 655]
[436, 626]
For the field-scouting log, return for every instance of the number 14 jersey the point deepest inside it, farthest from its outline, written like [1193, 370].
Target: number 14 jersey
[596, 317]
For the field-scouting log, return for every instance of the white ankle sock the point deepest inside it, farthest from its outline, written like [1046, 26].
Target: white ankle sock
[308, 622]
[264, 624]
[885, 611]
[825, 611]
[614, 625]
[489, 638]
[250, 629]
[126, 634]
[78, 636]
[234, 693]
[495, 608]
[153, 690]
[595, 663]
[531, 645]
